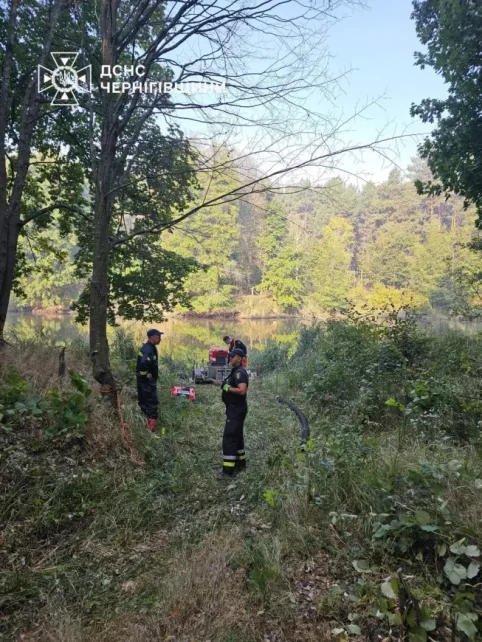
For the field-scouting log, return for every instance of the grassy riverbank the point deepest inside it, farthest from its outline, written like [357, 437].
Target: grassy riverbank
[374, 531]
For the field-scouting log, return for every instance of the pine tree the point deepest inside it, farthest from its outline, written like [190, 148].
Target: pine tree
[211, 237]
[330, 272]
[281, 261]
[389, 258]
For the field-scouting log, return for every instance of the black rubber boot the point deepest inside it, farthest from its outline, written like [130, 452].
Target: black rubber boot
[223, 476]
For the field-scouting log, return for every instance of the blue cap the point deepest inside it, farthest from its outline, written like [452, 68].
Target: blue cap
[237, 351]
[153, 331]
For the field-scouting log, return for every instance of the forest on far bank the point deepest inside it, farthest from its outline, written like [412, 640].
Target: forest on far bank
[305, 249]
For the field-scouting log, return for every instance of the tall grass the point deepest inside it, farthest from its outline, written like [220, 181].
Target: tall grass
[96, 548]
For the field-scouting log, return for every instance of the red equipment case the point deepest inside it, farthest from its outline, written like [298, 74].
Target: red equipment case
[180, 391]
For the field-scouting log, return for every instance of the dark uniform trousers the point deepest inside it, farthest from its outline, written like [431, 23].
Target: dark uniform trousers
[147, 397]
[234, 456]
[147, 386]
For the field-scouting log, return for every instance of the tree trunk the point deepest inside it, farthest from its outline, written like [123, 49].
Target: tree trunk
[10, 223]
[99, 291]
[5, 213]
[8, 253]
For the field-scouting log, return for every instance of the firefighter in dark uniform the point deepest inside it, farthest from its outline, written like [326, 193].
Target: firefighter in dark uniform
[235, 343]
[234, 395]
[147, 370]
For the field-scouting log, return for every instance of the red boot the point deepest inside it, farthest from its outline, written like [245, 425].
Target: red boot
[152, 424]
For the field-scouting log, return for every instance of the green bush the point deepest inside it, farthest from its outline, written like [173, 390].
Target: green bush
[17, 400]
[62, 412]
[68, 411]
[274, 356]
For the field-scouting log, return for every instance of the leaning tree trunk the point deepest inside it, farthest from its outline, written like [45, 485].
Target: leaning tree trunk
[99, 290]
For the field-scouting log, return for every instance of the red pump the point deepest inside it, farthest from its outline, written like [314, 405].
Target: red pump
[218, 356]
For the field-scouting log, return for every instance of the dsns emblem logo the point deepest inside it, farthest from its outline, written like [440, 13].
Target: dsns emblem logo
[65, 79]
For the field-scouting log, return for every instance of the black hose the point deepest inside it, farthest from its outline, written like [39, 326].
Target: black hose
[304, 426]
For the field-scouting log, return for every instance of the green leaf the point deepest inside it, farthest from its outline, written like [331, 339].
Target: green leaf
[423, 518]
[429, 625]
[362, 566]
[417, 634]
[454, 578]
[395, 585]
[473, 570]
[388, 590]
[472, 551]
[455, 572]
[463, 602]
[441, 550]
[411, 618]
[270, 497]
[465, 624]
[395, 619]
[455, 465]
[458, 547]
[394, 403]
[353, 629]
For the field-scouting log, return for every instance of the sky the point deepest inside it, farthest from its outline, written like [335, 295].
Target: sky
[378, 43]
[372, 49]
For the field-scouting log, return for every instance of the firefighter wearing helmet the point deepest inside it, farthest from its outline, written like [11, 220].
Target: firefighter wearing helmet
[147, 371]
[234, 395]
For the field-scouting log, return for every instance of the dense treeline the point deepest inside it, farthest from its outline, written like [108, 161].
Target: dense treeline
[308, 250]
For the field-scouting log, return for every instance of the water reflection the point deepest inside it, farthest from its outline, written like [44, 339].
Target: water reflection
[27, 327]
[185, 339]
[442, 324]
[190, 339]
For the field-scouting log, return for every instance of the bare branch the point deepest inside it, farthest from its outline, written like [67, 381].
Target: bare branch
[254, 186]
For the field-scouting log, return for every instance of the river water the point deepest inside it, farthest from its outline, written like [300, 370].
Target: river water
[185, 339]
[189, 339]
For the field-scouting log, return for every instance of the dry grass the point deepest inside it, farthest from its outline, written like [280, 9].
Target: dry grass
[200, 596]
[57, 625]
[39, 364]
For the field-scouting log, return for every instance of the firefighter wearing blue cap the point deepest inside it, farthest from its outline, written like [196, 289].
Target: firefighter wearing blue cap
[147, 370]
[234, 395]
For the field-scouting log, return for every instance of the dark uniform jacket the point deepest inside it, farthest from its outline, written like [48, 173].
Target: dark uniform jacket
[237, 375]
[147, 361]
[236, 343]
